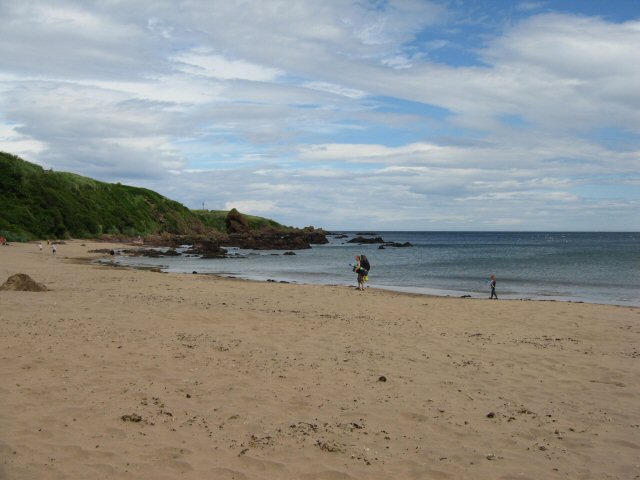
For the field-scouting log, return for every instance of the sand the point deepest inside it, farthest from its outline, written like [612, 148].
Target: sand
[120, 373]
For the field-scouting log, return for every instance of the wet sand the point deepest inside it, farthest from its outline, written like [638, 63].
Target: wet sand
[119, 373]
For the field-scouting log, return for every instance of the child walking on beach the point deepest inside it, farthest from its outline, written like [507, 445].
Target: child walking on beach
[493, 287]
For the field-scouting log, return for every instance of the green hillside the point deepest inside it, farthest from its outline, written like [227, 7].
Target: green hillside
[37, 203]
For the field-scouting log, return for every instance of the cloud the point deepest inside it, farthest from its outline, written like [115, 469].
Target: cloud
[364, 153]
[11, 140]
[307, 111]
[209, 64]
[335, 89]
[71, 41]
[529, 6]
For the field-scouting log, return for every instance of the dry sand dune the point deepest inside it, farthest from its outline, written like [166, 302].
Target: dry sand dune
[119, 373]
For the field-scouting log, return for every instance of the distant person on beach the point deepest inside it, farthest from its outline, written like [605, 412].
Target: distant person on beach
[40, 246]
[362, 267]
[492, 283]
[53, 249]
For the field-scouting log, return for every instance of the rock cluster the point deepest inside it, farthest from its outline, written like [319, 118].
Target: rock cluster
[236, 222]
[277, 240]
[239, 234]
[359, 239]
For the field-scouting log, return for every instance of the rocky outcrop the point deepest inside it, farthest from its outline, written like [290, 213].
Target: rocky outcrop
[236, 222]
[207, 248]
[398, 245]
[241, 235]
[295, 240]
[149, 252]
[360, 240]
[315, 236]
[269, 238]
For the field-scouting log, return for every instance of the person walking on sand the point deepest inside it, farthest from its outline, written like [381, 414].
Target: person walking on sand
[53, 249]
[362, 268]
[40, 246]
[492, 283]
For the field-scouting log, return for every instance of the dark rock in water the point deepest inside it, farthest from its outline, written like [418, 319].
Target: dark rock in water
[220, 254]
[338, 235]
[289, 253]
[21, 282]
[194, 272]
[367, 234]
[146, 252]
[465, 296]
[381, 247]
[366, 240]
[207, 248]
[398, 245]
[278, 240]
[268, 237]
[241, 235]
[315, 237]
[143, 252]
[101, 250]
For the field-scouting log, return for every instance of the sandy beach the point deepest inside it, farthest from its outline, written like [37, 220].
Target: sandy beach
[120, 373]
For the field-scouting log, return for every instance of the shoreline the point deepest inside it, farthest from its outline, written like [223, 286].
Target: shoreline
[424, 291]
[125, 373]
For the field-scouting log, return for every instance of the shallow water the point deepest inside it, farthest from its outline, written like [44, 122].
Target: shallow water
[589, 267]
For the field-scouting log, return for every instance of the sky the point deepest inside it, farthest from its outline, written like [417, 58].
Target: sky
[346, 115]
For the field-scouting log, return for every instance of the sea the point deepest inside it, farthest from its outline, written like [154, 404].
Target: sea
[590, 267]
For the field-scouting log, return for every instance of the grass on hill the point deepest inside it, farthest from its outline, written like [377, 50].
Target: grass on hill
[37, 204]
